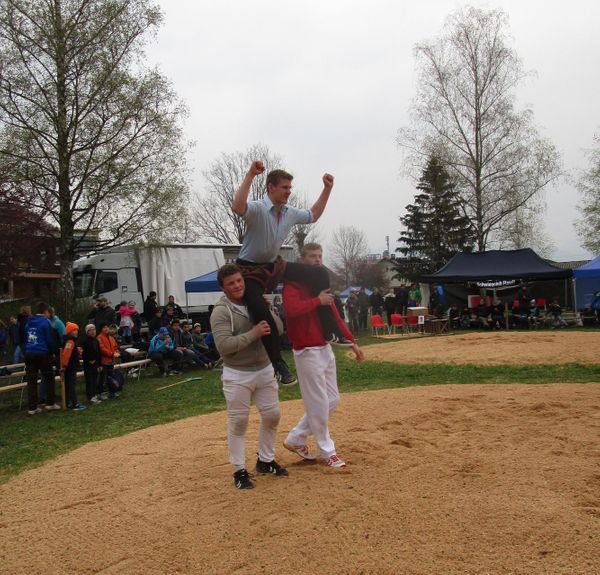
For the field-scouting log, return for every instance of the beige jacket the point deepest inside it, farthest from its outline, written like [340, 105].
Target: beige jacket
[234, 339]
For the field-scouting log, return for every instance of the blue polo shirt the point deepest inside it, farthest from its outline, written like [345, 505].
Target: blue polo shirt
[264, 234]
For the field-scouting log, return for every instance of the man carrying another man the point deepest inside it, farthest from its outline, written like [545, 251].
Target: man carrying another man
[315, 363]
[248, 375]
[268, 223]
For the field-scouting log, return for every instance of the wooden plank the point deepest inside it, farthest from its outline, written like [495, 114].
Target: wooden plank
[13, 387]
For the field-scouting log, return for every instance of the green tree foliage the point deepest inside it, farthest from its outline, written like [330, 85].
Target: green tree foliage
[88, 133]
[434, 227]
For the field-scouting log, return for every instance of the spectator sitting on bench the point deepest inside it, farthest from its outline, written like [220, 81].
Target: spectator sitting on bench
[155, 322]
[555, 310]
[534, 314]
[187, 339]
[167, 317]
[454, 316]
[482, 312]
[520, 313]
[465, 317]
[200, 345]
[497, 313]
[177, 311]
[162, 347]
[189, 355]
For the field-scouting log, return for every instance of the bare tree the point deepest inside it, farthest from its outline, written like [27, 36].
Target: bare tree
[92, 134]
[464, 113]
[524, 228]
[589, 186]
[348, 249]
[211, 214]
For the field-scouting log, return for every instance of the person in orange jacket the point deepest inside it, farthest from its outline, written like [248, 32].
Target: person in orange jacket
[109, 353]
[69, 363]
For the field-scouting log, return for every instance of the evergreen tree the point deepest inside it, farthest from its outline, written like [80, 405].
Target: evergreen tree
[434, 227]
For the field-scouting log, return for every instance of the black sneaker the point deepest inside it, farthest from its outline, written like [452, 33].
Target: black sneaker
[241, 479]
[271, 467]
[283, 373]
[340, 340]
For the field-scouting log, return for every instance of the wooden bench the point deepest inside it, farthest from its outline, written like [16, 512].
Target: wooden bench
[60, 379]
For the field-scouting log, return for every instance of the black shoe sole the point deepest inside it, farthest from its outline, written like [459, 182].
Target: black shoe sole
[287, 383]
[284, 474]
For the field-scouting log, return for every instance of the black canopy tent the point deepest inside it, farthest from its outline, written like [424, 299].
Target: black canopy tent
[499, 265]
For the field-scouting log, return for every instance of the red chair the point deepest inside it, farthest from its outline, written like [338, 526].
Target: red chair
[413, 322]
[397, 321]
[377, 323]
[541, 302]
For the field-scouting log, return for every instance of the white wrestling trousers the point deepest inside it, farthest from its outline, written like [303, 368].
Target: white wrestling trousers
[317, 378]
[240, 389]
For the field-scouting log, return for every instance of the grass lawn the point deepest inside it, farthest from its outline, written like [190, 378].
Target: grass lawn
[26, 442]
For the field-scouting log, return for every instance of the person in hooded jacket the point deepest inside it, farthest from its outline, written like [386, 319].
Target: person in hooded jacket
[69, 363]
[38, 345]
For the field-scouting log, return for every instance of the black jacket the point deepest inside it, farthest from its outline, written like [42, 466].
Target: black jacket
[91, 351]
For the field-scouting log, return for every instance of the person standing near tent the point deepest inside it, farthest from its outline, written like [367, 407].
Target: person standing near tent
[363, 308]
[268, 223]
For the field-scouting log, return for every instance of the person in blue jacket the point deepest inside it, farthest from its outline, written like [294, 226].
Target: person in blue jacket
[39, 350]
[163, 347]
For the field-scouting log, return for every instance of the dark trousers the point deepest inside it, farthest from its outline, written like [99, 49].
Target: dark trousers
[44, 382]
[105, 379]
[35, 365]
[315, 278]
[362, 318]
[159, 358]
[70, 385]
[91, 380]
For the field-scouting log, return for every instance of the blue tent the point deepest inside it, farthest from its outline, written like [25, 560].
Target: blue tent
[587, 283]
[347, 291]
[204, 283]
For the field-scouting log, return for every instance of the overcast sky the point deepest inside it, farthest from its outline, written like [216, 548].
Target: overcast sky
[327, 84]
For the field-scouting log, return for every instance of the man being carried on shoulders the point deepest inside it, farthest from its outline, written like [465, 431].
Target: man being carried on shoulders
[315, 364]
[268, 223]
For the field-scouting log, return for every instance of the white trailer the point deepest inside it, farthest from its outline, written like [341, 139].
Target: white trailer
[131, 272]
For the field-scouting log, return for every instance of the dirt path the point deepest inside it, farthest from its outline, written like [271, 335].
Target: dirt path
[494, 348]
[442, 480]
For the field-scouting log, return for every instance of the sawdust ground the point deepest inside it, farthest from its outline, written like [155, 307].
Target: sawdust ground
[454, 479]
[492, 348]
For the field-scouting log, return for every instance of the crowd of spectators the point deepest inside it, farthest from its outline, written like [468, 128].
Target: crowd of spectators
[521, 313]
[48, 346]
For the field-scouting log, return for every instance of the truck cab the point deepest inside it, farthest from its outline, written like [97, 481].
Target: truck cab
[112, 275]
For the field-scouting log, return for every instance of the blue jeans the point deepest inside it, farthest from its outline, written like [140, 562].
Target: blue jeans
[18, 355]
[106, 378]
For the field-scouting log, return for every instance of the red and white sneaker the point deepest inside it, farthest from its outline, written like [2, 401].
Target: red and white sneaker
[335, 462]
[302, 450]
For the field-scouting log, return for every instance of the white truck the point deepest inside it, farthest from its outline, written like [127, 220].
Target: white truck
[131, 272]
